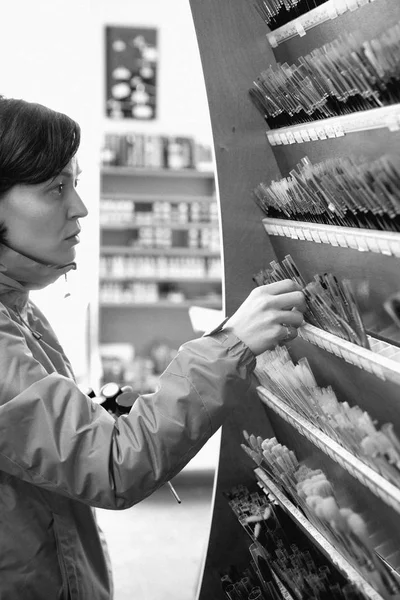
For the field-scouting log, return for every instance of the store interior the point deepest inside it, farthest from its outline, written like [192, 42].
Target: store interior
[261, 145]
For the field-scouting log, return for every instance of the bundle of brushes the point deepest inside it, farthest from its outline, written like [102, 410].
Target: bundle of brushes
[276, 13]
[253, 510]
[339, 78]
[310, 490]
[349, 426]
[338, 191]
[331, 305]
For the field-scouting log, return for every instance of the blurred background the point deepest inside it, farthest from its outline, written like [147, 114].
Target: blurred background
[149, 275]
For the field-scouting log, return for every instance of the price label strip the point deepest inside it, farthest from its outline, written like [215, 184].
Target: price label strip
[326, 12]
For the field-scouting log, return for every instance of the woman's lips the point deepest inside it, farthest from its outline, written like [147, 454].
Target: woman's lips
[73, 238]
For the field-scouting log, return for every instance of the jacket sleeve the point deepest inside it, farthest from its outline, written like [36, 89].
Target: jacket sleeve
[52, 435]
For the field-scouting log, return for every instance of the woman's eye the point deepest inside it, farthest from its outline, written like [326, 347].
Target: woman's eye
[60, 188]
[76, 182]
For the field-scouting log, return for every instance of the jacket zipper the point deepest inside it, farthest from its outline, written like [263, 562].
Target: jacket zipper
[63, 569]
[35, 334]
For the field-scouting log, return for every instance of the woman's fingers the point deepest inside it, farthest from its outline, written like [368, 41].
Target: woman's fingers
[281, 287]
[288, 334]
[291, 300]
[283, 295]
[294, 318]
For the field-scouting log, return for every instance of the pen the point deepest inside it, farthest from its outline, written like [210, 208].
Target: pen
[173, 492]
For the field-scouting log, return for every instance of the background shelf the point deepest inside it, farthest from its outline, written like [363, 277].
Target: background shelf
[326, 12]
[369, 477]
[383, 360]
[124, 191]
[163, 278]
[152, 198]
[363, 240]
[317, 538]
[184, 252]
[375, 118]
[162, 304]
[167, 224]
[143, 172]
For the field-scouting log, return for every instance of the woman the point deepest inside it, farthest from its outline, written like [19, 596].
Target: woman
[61, 453]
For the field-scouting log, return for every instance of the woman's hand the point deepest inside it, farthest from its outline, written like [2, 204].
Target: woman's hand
[270, 315]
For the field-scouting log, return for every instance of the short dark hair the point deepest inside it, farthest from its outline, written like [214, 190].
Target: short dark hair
[36, 143]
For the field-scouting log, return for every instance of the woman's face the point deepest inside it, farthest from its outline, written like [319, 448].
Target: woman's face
[42, 220]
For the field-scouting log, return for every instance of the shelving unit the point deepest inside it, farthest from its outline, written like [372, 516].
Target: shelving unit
[128, 197]
[234, 49]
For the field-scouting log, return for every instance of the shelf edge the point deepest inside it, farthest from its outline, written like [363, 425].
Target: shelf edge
[362, 240]
[173, 252]
[155, 278]
[129, 171]
[338, 126]
[131, 224]
[372, 360]
[159, 305]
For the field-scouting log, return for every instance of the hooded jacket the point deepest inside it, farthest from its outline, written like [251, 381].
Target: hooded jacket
[61, 454]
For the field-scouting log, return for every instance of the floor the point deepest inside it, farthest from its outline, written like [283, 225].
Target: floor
[157, 547]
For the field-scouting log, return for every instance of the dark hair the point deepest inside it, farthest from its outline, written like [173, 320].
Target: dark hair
[36, 143]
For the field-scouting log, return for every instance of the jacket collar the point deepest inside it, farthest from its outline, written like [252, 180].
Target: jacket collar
[19, 274]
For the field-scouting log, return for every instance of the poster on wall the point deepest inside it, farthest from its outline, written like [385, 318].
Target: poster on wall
[131, 73]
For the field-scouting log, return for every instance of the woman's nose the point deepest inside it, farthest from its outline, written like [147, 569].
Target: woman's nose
[77, 209]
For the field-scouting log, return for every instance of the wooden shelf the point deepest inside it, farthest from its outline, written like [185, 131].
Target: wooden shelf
[316, 537]
[326, 12]
[383, 360]
[167, 304]
[375, 118]
[368, 476]
[167, 224]
[148, 172]
[184, 252]
[363, 240]
[157, 278]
